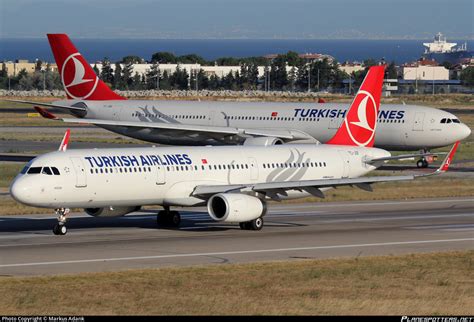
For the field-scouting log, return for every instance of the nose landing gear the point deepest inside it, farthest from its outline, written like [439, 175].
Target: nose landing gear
[60, 228]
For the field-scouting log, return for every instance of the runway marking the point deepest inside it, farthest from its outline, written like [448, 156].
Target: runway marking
[400, 202]
[236, 252]
[407, 217]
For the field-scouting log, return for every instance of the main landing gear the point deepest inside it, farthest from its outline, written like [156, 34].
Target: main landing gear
[425, 161]
[422, 163]
[256, 224]
[168, 218]
[60, 228]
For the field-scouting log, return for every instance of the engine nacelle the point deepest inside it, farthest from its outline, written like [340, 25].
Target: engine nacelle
[263, 141]
[111, 211]
[235, 207]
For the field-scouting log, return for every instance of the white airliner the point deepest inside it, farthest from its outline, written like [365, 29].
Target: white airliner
[402, 127]
[233, 181]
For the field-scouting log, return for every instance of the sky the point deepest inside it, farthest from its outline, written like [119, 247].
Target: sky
[257, 19]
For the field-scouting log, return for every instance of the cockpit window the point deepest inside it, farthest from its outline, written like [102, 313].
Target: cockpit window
[25, 169]
[448, 121]
[456, 121]
[443, 121]
[55, 171]
[47, 170]
[34, 170]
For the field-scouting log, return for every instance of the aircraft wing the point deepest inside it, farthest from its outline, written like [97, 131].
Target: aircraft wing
[404, 156]
[75, 108]
[287, 135]
[274, 190]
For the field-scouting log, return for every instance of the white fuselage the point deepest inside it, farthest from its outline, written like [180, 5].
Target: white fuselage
[168, 176]
[400, 127]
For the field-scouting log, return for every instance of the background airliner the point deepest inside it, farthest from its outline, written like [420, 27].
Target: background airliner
[402, 127]
[233, 181]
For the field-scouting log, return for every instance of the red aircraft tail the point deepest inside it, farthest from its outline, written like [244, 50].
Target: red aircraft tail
[78, 78]
[358, 128]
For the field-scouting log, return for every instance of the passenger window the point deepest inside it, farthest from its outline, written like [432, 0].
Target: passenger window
[34, 170]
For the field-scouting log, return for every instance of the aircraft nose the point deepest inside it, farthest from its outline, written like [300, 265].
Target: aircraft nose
[20, 191]
[465, 131]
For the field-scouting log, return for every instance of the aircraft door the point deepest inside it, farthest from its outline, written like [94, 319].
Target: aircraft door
[418, 125]
[345, 163]
[81, 179]
[160, 174]
[212, 117]
[253, 169]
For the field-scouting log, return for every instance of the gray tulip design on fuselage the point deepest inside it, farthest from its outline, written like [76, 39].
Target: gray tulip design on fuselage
[295, 173]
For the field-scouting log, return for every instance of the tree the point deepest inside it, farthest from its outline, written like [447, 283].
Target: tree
[179, 79]
[137, 82]
[391, 71]
[132, 59]
[151, 76]
[293, 59]
[127, 73]
[192, 59]
[203, 80]
[214, 82]
[164, 57]
[165, 81]
[96, 70]
[118, 82]
[228, 81]
[24, 81]
[467, 76]
[278, 74]
[38, 65]
[253, 75]
[107, 74]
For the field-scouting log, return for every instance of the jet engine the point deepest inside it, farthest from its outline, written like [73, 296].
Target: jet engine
[263, 141]
[235, 207]
[111, 211]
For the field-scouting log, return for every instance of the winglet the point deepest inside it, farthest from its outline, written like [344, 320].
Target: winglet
[65, 141]
[447, 161]
[44, 113]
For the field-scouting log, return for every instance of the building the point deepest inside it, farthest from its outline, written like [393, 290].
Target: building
[350, 68]
[425, 72]
[219, 71]
[13, 68]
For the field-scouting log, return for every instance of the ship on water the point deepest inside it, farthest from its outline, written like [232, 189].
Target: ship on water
[442, 51]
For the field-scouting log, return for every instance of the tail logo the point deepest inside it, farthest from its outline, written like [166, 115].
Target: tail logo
[77, 81]
[361, 122]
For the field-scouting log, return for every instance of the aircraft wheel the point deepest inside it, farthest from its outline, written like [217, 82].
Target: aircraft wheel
[420, 164]
[59, 229]
[256, 224]
[160, 218]
[243, 225]
[174, 218]
[425, 164]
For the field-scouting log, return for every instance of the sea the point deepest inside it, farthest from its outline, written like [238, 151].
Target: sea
[399, 51]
